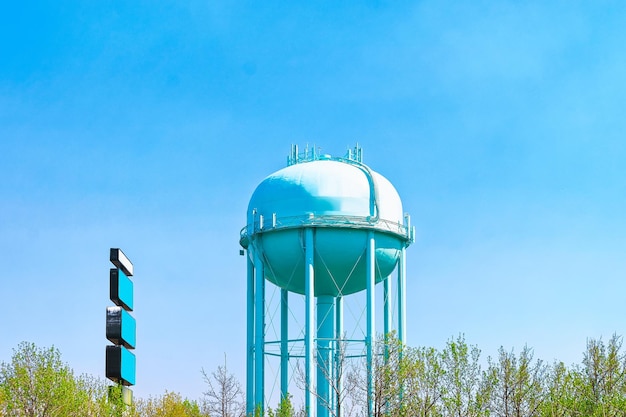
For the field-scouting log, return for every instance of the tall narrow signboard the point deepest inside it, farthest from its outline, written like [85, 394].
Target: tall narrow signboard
[120, 325]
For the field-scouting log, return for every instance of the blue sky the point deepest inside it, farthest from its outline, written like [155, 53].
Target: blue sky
[147, 126]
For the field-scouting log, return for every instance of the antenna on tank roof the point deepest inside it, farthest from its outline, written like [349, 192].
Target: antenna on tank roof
[355, 154]
[309, 154]
[293, 156]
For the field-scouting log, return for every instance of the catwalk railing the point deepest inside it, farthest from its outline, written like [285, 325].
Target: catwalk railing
[262, 225]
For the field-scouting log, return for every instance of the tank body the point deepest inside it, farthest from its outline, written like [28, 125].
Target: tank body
[344, 201]
[324, 227]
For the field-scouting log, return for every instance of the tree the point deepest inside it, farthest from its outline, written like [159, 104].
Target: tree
[169, 405]
[388, 378]
[2, 404]
[421, 374]
[465, 394]
[386, 370]
[284, 409]
[517, 384]
[560, 392]
[224, 397]
[600, 383]
[341, 379]
[36, 383]
[408, 382]
[102, 399]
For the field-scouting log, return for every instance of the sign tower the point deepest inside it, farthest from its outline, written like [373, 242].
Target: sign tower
[121, 326]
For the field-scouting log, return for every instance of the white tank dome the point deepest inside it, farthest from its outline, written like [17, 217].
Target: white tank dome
[326, 187]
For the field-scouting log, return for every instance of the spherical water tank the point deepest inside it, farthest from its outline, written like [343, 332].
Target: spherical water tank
[344, 201]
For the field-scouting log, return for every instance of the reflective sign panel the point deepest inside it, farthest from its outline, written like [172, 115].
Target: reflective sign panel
[121, 289]
[121, 327]
[120, 365]
[120, 260]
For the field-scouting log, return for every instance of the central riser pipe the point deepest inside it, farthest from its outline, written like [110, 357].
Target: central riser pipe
[325, 336]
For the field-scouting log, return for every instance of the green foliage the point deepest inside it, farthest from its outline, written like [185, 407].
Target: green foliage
[408, 382]
[2, 403]
[388, 365]
[465, 394]
[451, 383]
[169, 405]
[603, 375]
[36, 383]
[595, 388]
[284, 409]
[559, 392]
[421, 382]
[516, 384]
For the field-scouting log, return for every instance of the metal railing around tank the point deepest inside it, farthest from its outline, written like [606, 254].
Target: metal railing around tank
[262, 224]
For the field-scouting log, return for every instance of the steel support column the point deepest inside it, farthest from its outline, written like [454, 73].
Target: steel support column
[250, 337]
[284, 343]
[339, 357]
[325, 336]
[388, 310]
[310, 332]
[402, 296]
[259, 334]
[370, 272]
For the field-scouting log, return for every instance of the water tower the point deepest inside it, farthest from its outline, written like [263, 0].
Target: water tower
[323, 228]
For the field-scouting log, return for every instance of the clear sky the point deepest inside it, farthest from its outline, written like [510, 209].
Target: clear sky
[147, 125]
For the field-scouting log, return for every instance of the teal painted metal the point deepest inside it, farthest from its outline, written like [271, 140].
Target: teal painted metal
[338, 259]
[250, 397]
[310, 334]
[387, 306]
[402, 296]
[402, 304]
[325, 228]
[388, 312]
[339, 358]
[259, 335]
[325, 339]
[370, 340]
[342, 199]
[284, 343]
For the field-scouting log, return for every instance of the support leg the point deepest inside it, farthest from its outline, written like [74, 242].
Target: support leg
[325, 336]
[402, 296]
[370, 272]
[250, 339]
[339, 357]
[259, 334]
[388, 311]
[310, 334]
[284, 343]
